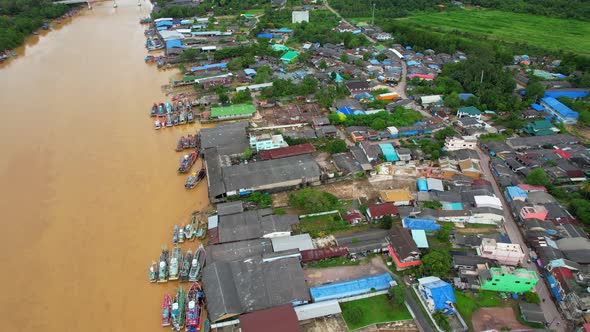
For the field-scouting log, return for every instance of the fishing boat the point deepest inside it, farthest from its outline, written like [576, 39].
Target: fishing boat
[157, 124]
[185, 268]
[166, 306]
[193, 142]
[187, 142]
[190, 116]
[180, 104]
[197, 264]
[195, 178]
[145, 20]
[194, 307]
[181, 143]
[187, 103]
[163, 265]
[168, 107]
[154, 110]
[154, 272]
[161, 109]
[187, 162]
[175, 119]
[189, 232]
[177, 313]
[182, 117]
[181, 235]
[168, 121]
[175, 235]
[175, 260]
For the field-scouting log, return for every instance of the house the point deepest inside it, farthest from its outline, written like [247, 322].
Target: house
[289, 57]
[318, 122]
[402, 248]
[504, 253]
[426, 101]
[404, 154]
[530, 188]
[457, 143]
[422, 224]
[523, 143]
[353, 217]
[533, 212]
[515, 193]
[419, 237]
[373, 240]
[576, 249]
[242, 286]
[435, 184]
[486, 215]
[378, 211]
[288, 151]
[281, 318]
[508, 279]
[560, 112]
[370, 151]
[299, 16]
[235, 111]
[488, 201]
[540, 128]
[396, 196]
[389, 152]
[267, 142]
[437, 294]
[316, 310]
[468, 112]
[229, 139]
[470, 168]
[356, 87]
[328, 131]
[349, 288]
[311, 255]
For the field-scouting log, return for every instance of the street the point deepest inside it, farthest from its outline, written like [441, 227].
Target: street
[549, 309]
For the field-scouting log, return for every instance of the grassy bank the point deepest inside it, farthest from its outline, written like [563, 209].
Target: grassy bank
[468, 302]
[545, 32]
[376, 309]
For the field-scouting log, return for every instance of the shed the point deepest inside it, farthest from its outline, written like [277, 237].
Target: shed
[435, 184]
[419, 236]
[350, 288]
[250, 72]
[423, 224]
[281, 318]
[531, 312]
[319, 309]
[389, 152]
[289, 57]
[422, 185]
[301, 242]
[323, 253]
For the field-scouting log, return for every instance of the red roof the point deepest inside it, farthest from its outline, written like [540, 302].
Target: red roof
[587, 327]
[531, 188]
[563, 272]
[282, 318]
[352, 216]
[323, 253]
[288, 151]
[380, 210]
[562, 154]
[398, 263]
[213, 235]
[576, 173]
[481, 182]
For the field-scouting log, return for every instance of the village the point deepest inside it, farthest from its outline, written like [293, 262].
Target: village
[358, 185]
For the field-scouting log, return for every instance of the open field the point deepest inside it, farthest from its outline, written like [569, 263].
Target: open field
[376, 309]
[545, 32]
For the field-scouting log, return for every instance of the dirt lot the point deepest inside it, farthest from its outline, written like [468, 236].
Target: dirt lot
[403, 326]
[316, 277]
[496, 318]
[288, 114]
[324, 324]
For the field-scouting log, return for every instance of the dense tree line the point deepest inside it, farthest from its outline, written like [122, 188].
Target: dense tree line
[19, 18]
[569, 9]
[220, 7]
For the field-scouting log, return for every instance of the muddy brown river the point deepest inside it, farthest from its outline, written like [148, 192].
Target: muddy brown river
[89, 190]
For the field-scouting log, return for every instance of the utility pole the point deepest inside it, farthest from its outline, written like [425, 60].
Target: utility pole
[373, 16]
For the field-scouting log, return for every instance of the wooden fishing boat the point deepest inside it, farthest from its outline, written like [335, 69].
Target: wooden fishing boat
[185, 268]
[187, 162]
[191, 181]
[194, 307]
[193, 142]
[182, 117]
[154, 272]
[181, 235]
[197, 264]
[154, 110]
[157, 124]
[175, 120]
[163, 265]
[175, 235]
[190, 116]
[181, 143]
[166, 307]
[175, 261]
[177, 313]
[161, 109]
[168, 121]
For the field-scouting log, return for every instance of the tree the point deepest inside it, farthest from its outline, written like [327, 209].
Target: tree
[437, 263]
[585, 188]
[189, 55]
[247, 154]
[452, 100]
[381, 57]
[581, 209]
[334, 118]
[344, 57]
[323, 65]
[242, 97]
[309, 85]
[443, 235]
[386, 222]
[442, 320]
[223, 98]
[312, 200]
[538, 177]
[336, 146]
[379, 124]
[444, 133]
[397, 294]
[531, 297]
[535, 90]
[435, 205]
[366, 56]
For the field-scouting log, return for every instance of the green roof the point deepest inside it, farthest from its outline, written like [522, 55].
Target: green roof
[248, 15]
[189, 78]
[469, 110]
[237, 109]
[279, 47]
[539, 128]
[289, 56]
[379, 47]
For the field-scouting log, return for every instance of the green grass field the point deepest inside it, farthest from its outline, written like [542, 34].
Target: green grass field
[467, 303]
[545, 32]
[376, 309]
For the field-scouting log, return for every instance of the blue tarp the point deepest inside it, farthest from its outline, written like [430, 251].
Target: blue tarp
[424, 224]
[346, 111]
[442, 293]
[375, 62]
[350, 288]
[537, 107]
[363, 95]
[554, 289]
[578, 93]
[422, 185]
[413, 63]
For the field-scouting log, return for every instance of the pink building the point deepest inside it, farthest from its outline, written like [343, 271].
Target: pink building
[533, 212]
[504, 253]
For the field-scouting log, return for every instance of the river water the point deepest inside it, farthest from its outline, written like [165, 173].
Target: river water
[89, 191]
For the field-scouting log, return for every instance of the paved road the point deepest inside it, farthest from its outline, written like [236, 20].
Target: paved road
[549, 309]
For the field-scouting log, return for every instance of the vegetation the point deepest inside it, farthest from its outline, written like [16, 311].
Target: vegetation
[400, 117]
[397, 294]
[19, 19]
[538, 177]
[468, 302]
[264, 200]
[435, 205]
[336, 146]
[219, 7]
[313, 201]
[386, 222]
[531, 297]
[581, 209]
[332, 262]
[442, 320]
[320, 226]
[437, 263]
[286, 88]
[372, 310]
[580, 105]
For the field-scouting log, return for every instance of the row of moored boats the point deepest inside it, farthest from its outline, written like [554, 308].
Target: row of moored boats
[185, 310]
[176, 266]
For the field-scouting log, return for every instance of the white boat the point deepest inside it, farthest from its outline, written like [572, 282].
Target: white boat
[197, 264]
[157, 125]
[181, 235]
[175, 261]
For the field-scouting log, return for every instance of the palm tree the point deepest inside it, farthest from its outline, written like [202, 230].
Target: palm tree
[585, 188]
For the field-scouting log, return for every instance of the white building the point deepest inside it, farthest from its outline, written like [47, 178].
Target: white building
[428, 100]
[299, 16]
[456, 143]
[267, 142]
[488, 201]
[504, 253]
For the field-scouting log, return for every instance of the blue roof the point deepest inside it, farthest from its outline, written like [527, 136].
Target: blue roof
[250, 72]
[363, 96]
[424, 224]
[349, 288]
[374, 62]
[220, 65]
[389, 152]
[346, 110]
[514, 191]
[537, 107]
[413, 63]
[577, 93]
[419, 54]
[174, 43]
[419, 236]
[442, 293]
[422, 185]
[164, 24]
[285, 30]
[454, 206]
[466, 96]
[264, 35]
[560, 108]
